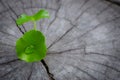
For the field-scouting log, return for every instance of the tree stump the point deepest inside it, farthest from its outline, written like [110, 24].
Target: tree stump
[82, 36]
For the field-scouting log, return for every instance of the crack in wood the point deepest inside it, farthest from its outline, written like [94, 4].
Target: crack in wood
[57, 40]
[47, 69]
[17, 25]
[107, 55]
[15, 15]
[99, 72]
[14, 60]
[86, 53]
[107, 66]
[114, 2]
[9, 72]
[93, 78]
[88, 9]
[55, 16]
[95, 62]
[73, 24]
[11, 15]
[13, 69]
[102, 64]
[82, 70]
[108, 6]
[86, 72]
[108, 21]
[83, 11]
[54, 52]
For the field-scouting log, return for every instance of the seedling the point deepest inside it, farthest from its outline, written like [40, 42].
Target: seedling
[31, 46]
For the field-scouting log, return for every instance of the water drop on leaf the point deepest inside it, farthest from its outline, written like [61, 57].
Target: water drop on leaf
[31, 46]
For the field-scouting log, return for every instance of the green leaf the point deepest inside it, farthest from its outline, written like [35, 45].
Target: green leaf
[41, 14]
[26, 18]
[31, 46]
[23, 19]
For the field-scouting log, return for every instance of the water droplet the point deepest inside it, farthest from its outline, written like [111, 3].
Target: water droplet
[29, 49]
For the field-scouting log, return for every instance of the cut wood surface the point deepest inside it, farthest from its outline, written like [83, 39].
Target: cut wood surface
[82, 37]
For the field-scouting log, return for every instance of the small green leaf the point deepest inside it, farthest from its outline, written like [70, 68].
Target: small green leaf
[23, 19]
[41, 14]
[31, 46]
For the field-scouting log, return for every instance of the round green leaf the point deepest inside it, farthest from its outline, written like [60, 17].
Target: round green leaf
[31, 46]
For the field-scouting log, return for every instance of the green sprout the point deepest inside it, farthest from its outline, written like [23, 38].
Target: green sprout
[31, 46]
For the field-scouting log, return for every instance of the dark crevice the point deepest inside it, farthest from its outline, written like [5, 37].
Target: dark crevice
[79, 16]
[47, 69]
[107, 55]
[17, 17]
[93, 78]
[81, 8]
[107, 66]
[17, 25]
[9, 7]
[57, 40]
[95, 62]
[86, 9]
[55, 16]
[98, 72]
[11, 15]
[69, 21]
[14, 60]
[54, 52]
[105, 9]
[100, 24]
[24, 28]
[114, 2]
[11, 71]
[12, 10]
[88, 53]
[71, 29]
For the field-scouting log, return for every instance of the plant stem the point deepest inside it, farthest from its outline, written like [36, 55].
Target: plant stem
[35, 27]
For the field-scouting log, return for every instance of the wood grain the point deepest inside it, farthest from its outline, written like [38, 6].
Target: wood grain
[82, 36]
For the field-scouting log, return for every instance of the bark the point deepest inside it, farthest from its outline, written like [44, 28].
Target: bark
[82, 36]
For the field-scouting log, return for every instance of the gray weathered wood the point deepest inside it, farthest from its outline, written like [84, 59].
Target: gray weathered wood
[82, 36]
